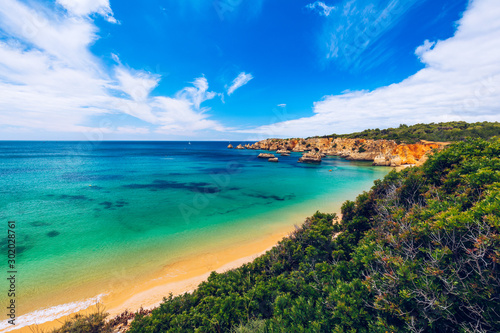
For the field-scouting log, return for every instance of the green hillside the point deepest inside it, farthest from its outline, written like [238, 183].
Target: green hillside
[450, 131]
[419, 252]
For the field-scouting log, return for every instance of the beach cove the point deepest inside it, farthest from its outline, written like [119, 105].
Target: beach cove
[129, 222]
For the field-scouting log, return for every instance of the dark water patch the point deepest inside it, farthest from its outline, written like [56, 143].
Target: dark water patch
[53, 233]
[40, 224]
[233, 188]
[22, 245]
[20, 249]
[271, 196]
[50, 195]
[121, 203]
[106, 204]
[158, 184]
[74, 197]
[225, 211]
[110, 205]
[95, 187]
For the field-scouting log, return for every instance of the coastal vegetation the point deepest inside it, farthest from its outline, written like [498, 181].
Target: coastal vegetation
[448, 131]
[419, 252]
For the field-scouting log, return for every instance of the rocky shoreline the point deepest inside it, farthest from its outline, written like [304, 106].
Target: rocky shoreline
[380, 152]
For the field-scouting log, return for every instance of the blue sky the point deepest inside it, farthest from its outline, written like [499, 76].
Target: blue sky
[243, 69]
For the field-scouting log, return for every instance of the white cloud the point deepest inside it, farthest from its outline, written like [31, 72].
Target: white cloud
[242, 79]
[51, 82]
[87, 7]
[322, 8]
[184, 114]
[424, 48]
[461, 81]
[353, 31]
[282, 105]
[136, 84]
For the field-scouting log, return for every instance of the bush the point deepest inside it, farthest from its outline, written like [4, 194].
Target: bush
[92, 323]
[419, 252]
[450, 131]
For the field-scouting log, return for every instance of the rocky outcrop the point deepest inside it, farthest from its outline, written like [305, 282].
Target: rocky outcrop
[230, 146]
[240, 147]
[310, 158]
[273, 159]
[264, 155]
[385, 160]
[380, 152]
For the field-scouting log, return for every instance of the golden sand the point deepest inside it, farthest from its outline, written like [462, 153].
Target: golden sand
[177, 278]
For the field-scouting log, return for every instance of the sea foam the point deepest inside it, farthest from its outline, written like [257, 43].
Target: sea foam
[49, 314]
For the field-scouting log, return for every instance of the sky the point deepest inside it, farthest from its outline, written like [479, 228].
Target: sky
[243, 69]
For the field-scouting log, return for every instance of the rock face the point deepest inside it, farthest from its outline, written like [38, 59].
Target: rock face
[273, 159]
[230, 146]
[264, 155]
[380, 152]
[310, 158]
[240, 147]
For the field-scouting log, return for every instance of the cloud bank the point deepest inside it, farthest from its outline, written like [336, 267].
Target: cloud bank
[51, 82]
[460, 81]
[352, 32]
[88, 7]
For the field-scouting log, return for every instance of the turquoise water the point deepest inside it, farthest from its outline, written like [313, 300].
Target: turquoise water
[91, 214]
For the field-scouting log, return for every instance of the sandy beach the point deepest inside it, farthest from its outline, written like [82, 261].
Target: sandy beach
[177, 278]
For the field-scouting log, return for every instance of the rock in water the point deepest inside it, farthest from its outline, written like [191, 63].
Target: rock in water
[230, 146]
[264, 155]
[310, 158]
[273, 159]
[240, 147]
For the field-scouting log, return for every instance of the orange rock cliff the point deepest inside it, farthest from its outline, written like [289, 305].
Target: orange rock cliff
[381, 152]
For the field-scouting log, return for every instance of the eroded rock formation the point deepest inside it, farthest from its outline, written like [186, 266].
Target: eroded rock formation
[311, 157]
[264, 155]
[380, 152]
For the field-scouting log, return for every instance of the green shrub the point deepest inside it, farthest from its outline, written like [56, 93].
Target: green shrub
[450, 131]
[419, 252]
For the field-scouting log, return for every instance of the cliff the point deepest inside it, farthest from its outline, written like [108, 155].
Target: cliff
[380, 152]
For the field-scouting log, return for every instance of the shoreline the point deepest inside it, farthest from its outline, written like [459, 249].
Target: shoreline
[176, 278]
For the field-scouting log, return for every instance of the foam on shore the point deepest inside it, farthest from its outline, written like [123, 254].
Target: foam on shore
[49, 314]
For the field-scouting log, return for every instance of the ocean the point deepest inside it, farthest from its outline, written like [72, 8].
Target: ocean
[94, 217]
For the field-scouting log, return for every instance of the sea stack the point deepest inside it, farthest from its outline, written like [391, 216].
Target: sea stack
[310, 158]
[230, 146]
[240, 147]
